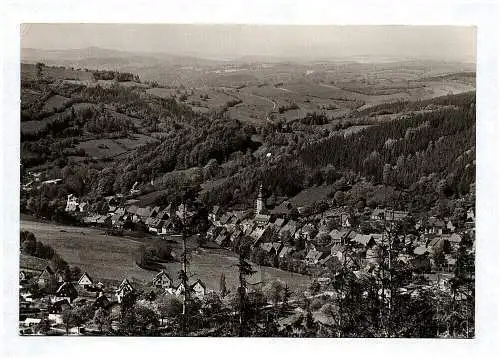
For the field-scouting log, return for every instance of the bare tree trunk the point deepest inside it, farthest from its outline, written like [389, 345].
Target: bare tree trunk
[242, 301]
[184, 269]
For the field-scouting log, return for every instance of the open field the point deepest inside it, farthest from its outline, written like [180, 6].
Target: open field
[102, 148]
[112, 258]
[106, 148]
[310, 195]
[162, 92]
[55, 102]
[29, 72]
[33, 127]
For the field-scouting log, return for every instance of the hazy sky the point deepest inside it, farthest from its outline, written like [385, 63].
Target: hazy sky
[451, 43]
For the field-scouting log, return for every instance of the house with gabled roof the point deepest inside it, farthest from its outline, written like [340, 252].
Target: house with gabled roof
[337, 236]
[284, 208]
[223, 239]
[213, 232]
[154, 211]
[83, 207]
[32, 266]
[393, 215]
[124, 288]
[85, 280]
[155, 225]
[66, 291]
[262, 219]
[120, 211]
[162, 280]
[308, 231]
[450, 263]
[420, 250]
[345, 220]
[224, 219]
[262, 234]
[132, 209]
[242, 215]
[337, 250]
[313, 256]
[285, 251]
[288, 229]
[164, 213]
[439, 243]
[279, 222]
[377, 214]
[365, 240]
[116, 219]
[71, 203]
[179, 290]
[271, 247]
[214, 213]
[248, 229]
[60, 275]
[455, 239]
[233, 221]
[257, 233]
[167, 226]
[236, 235]
[199, 289]
[435, 226]
[104, 220]
[329, 259]
[183, 210]
[450, 226]
[47, 279]
[144, 212]
[471, 216]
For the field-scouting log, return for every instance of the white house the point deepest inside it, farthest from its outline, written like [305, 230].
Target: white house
[199, 289]
[56, 318]
[471, 215]
[85, 280]
[180, 289]
[72, 203]
[162, 280]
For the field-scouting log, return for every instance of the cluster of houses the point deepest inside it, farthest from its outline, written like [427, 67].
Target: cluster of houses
[156, 220]
[325, 237]
[34, 180]
[56, 293]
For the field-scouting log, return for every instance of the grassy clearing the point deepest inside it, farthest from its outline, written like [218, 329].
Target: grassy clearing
[310, 195]
[29, 72]
[33, 127]
[55, 102]
[135, 141]
[106, 148]
[102, 148]
[113, 258]
[162, 92]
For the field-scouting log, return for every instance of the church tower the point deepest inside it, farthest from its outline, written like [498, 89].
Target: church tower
[259, 205]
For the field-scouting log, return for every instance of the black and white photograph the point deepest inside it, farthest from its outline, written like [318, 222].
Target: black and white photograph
[223, 180]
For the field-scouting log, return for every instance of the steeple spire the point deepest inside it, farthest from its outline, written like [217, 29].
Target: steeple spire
[259, 203]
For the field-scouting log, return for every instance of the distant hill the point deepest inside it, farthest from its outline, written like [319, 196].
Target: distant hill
[95, 57]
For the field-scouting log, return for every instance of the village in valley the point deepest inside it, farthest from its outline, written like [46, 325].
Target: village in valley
[296, 195]
[362, 241]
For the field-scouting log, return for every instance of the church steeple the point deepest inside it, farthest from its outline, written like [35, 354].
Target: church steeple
[259, 205]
